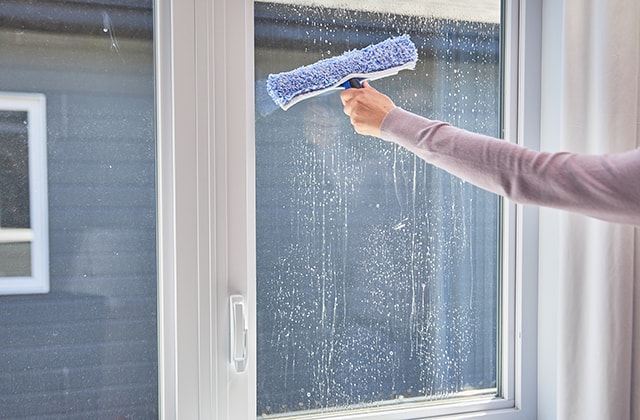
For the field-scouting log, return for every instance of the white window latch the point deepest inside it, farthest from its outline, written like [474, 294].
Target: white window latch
[239, 330]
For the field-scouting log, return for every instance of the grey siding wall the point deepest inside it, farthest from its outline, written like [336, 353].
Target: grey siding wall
[88, 348]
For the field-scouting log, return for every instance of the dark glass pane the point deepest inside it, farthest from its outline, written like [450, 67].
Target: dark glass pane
[14, 170]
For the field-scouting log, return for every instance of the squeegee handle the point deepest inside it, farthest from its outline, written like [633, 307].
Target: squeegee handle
[352, 83]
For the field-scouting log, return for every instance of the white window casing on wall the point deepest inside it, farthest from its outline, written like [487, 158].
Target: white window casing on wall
[36, 235]
[206, 221]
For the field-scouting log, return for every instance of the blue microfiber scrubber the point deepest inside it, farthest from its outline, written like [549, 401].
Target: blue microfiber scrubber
[373, 62]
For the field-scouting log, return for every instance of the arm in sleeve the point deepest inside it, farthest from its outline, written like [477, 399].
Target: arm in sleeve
[602, 186]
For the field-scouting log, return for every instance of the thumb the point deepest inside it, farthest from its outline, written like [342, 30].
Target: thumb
[367, 85]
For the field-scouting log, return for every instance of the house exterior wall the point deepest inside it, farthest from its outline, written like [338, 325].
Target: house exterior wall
[88, 348]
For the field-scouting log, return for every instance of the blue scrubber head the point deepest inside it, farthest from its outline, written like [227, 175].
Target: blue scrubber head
[373, 62]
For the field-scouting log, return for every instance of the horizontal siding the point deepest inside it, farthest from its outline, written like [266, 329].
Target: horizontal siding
[88, 349]
[77, 378]
[87, 404]
[63, 354]
[80, 332]
[69, 308]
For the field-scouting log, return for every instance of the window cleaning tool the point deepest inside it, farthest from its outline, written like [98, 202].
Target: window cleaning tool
[347, 70]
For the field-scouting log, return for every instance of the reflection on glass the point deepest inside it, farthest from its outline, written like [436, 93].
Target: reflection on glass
[377, 273]
[87, 349]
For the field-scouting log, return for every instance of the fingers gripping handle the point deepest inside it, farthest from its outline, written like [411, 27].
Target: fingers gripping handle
[239, 331]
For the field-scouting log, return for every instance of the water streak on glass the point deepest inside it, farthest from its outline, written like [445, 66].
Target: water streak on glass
[377, 273]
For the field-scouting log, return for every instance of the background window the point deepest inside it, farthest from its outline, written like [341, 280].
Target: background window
[24, 236]
[377, 274]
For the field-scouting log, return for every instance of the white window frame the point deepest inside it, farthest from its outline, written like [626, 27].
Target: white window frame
[206, 221]
[34, 104]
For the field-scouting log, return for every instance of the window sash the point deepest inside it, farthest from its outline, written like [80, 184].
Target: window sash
[204, 62]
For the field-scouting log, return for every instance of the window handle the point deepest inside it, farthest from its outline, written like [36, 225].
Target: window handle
[239, 331]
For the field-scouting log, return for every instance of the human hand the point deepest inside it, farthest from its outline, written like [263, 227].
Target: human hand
[366, 107]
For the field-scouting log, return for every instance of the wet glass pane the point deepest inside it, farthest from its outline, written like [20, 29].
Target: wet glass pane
[88, 348]
[378, 274]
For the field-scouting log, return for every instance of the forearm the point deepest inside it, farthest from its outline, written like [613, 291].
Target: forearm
[599, 186]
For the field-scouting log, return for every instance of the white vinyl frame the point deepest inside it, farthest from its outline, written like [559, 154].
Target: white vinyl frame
[35, 105]
[206, 220]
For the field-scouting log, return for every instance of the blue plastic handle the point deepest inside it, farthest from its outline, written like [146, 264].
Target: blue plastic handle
[352, 83]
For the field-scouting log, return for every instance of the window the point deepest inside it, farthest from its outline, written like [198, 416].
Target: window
[78, 197]
[378, 276]
[24, 233]
[207, 215]
[114, 74]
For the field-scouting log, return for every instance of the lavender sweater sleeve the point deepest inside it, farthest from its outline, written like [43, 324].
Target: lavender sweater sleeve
[602, 186]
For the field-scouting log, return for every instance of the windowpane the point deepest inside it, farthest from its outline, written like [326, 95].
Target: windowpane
[14, 170]
[15, 256]
[15, 259]
[377, 274]
[88, 348]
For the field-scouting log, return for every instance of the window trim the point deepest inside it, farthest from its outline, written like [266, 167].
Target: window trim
[34, 104]
[203, 66]
[206, 239]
